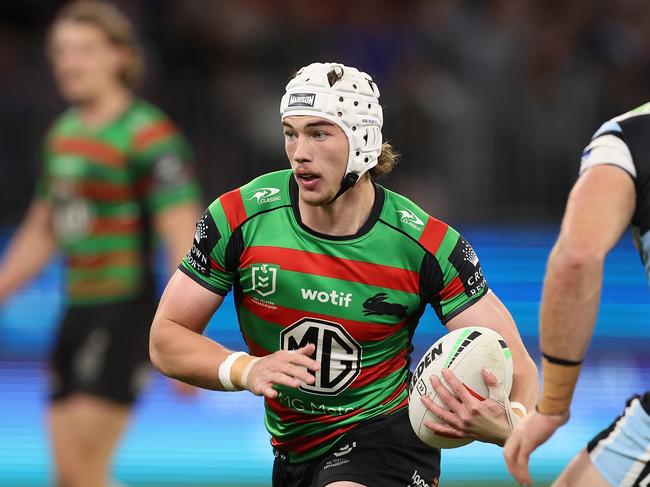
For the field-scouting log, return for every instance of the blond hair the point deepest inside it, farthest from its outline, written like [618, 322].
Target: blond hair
[387, 160]
[117, 28]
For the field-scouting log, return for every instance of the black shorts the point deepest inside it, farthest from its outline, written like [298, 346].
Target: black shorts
[103, 350]
[384, 452]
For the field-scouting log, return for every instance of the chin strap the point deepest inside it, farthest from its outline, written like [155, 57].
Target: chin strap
[349, 180]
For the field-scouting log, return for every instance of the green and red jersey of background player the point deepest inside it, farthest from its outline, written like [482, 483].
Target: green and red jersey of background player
[105, 184]
[357, 298]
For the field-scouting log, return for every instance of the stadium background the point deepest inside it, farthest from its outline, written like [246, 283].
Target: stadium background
[490, 102]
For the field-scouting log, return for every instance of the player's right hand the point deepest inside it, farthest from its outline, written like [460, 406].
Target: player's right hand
[289, 368]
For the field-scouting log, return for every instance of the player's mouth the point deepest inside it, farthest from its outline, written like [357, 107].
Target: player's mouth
[308, 180]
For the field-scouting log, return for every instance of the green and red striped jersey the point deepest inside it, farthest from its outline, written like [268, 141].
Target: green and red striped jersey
[357, 298]
[105, 184]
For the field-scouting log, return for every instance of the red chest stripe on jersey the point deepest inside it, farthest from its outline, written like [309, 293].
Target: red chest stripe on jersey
[115, 226]
[145, 185]
[92, 149]
[338, 268]
[452, 289]
[105, 191]
[233, 207]
[359, 330]
[149, 135]
[305, 443]
[433, 235]
[104, 259]
[382, 369]
[289, 415]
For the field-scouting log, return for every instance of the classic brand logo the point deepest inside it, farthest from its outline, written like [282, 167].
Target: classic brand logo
[265, 195]
[302, 99]
[264, 278]
[410, 219]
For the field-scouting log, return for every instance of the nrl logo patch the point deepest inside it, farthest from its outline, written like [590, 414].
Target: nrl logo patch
[302, 100]
[411, 219]
[265, 195]
[264, 278]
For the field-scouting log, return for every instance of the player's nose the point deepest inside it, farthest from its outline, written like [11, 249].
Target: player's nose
[302, 151]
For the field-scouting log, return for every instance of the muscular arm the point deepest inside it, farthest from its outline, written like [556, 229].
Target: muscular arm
[599, 209]
[30, 249]
[491, 313]
[177, 347]
[175, 225]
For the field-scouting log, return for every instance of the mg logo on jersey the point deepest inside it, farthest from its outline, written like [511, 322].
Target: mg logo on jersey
[337, 352]
[264, 278]
[265, 195]
[411, 219]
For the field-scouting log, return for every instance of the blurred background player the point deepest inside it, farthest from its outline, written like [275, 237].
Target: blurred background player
[613, 191]
[331, 274]
[115, 173]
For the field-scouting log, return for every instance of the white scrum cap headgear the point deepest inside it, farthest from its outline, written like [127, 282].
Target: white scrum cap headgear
[351, 101]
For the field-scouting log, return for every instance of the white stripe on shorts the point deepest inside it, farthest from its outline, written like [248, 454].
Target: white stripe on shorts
[622, 456]
[636, 469]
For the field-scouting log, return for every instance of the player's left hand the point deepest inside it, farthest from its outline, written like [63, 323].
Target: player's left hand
[468, 416]
[534, 430]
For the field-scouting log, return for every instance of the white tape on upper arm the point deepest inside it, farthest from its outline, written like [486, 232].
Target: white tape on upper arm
[608, 149]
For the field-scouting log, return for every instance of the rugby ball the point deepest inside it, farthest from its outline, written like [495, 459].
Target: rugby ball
[465, 352]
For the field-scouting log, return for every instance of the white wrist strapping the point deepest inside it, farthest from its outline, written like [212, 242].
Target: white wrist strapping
[225, 368]
[247, 369]
[519, 406]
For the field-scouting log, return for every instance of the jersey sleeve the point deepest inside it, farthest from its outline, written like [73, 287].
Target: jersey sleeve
[164, 167]
[452, 274]
[608, 147]
[207, 261]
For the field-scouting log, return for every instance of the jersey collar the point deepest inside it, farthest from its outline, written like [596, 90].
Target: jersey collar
[377, 206]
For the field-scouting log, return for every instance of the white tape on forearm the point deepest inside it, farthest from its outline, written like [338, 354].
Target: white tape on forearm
[225, 368]
[247, 369]
[519, 406]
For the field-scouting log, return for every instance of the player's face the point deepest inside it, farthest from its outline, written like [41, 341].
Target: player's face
[318, 152]
[85, 62]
